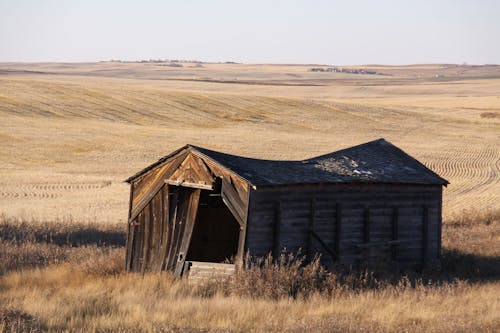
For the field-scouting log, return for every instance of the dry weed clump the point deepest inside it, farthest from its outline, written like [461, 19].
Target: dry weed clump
[474, 217]
[12, 320]
[96, 249]
[288, 276]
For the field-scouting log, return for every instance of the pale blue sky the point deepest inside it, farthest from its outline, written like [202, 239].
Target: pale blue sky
[293, 31]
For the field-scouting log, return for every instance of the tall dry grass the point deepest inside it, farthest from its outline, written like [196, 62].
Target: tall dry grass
[70, 278]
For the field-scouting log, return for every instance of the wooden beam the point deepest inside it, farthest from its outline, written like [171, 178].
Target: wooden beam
[325, 246]
[166, 230]
[192, 211]
[311, 228]
[172, 218]
[277, 230]
[366, 232]
[240, 254]
[338, 229]
[234, 202]
[147, 231]
[180, 222]
[395, 233]
[130, 233]
[425, 235]
[157, 231]
[440, 224]
[190, 184]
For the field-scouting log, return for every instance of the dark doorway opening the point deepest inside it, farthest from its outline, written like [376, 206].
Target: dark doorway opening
[216, 231]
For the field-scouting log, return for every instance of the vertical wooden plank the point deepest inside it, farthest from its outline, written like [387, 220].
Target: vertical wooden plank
[166, 230]
[191, 212]
[137, 255]
[241, 247]
[182, 210]
[395, 233]
[242, 241]
[366, 232]
[338, 229]
[175, 212]
[425, 235]
[130, 232]
[440, 223]
[159, 230]
[156, 232]
[277, 229]
[147, 230]
[152, 234]
[312, 209]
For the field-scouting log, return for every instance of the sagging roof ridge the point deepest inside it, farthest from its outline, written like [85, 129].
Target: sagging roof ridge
[236, 164]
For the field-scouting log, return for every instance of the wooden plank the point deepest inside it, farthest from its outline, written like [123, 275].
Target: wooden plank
[277, 230]
[204, 171]
[152, 234]
[338, 229]
[233, 201]
[136, 260]
[425, 235]
[395, 233]
[166, 230]
[192, 210]
[366, 231]
[439, 226]
[145, 248]
[193, 170]
[242, 239]
[312, 212]
[156, 237]
[221, 171]
[188, 184]
[172, 211]
[323, 244]
[144, 181]
[181, 225]
[156, 185]
[130, 233]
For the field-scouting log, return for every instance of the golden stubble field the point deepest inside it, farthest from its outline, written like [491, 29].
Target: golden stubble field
[71, 133]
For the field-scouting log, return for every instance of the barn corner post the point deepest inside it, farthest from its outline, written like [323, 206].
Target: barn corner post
[130, 232]
[242, 239]
[243, 196]
[240, 254]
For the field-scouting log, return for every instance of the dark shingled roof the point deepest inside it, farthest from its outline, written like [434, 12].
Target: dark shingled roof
[373, 162]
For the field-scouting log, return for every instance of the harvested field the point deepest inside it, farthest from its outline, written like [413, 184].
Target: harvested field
[71, 133]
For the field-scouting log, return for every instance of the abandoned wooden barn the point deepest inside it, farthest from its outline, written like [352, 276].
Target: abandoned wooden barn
[364, 204]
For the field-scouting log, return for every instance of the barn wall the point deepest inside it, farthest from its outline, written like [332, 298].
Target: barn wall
[368, 214]
[147, 235]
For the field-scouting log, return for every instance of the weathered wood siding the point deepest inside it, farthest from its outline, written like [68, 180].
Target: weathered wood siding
[373, 219]
[163, 207]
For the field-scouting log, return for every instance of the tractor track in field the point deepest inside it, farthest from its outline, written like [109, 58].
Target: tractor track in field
[473, 174]
[45, 190]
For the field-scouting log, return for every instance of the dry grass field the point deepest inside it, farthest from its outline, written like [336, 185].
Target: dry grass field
[71, 133]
